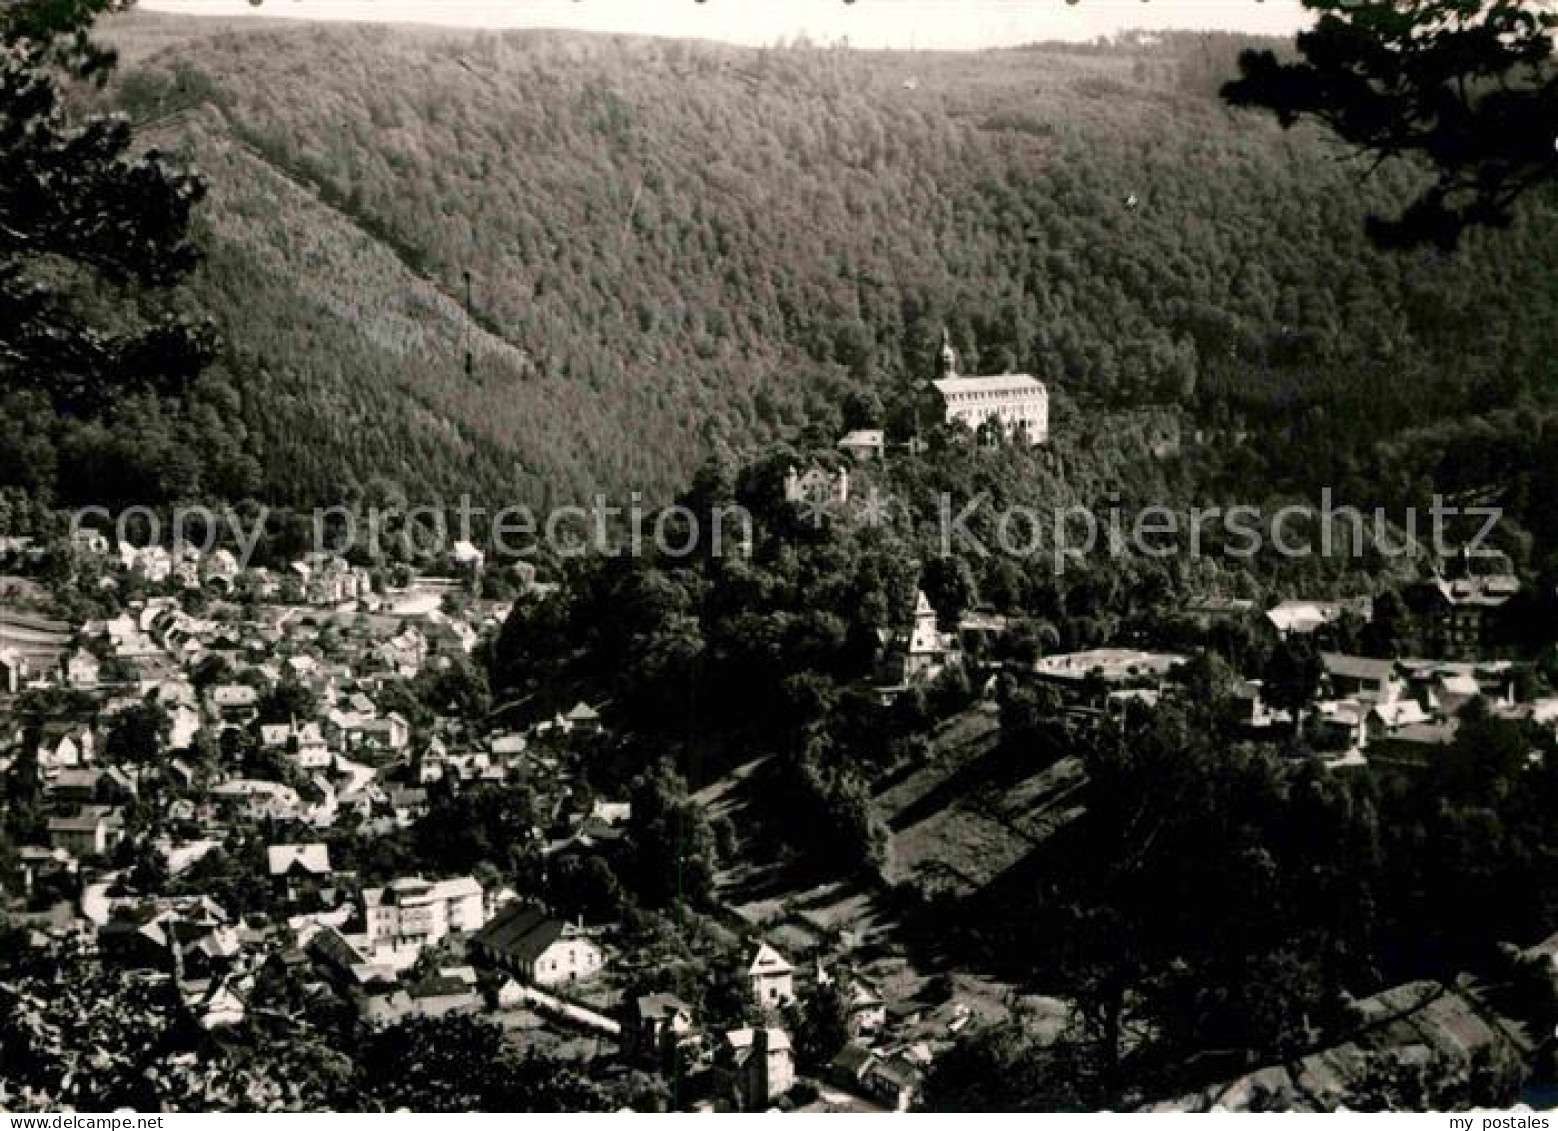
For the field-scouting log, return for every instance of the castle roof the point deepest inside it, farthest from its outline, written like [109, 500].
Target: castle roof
[1003, 383]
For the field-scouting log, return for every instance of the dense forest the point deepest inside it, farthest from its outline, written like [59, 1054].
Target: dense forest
[710, 247]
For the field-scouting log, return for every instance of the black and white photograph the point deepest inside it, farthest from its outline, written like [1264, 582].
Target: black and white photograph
[796, 556]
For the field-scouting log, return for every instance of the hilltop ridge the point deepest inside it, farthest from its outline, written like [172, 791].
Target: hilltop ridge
[717, 245]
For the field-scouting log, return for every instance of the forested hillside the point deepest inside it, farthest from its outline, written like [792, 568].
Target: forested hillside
[709, 245]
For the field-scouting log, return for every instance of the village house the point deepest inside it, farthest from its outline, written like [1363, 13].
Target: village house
[257, 799]
[772, 978]
[186, 569]
[1358, 677]
[95, 832]
[1304, 618]
[333, 954]
[415, 912]
[152, 564]
[233, 702]
[655, 1028]
[220, 570]
[181, 856]
[139, 936]
[298, 868]
[91, 785]
[1445, 687]
[508, 745]
[867, 1008]
[405, 652]
[1247, 707]
[39, 640]
[82, 670]
[1414, 747]
[864, 444]
[1385, 719]
[447, 636]
[39, 863]
[385, 1005]
[1463, 616]
[525, 941]
[1454, 690]
[64, 746]
[1339, 724]
[583, 719]
[304, 744]
[464, 557]
[440, 994]
[892, 1081]
[816, 486]
[326, 579]
[390, 732]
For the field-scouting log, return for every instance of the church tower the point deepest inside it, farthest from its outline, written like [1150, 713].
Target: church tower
[947, 362]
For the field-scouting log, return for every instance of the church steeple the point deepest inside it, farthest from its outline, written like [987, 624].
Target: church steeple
[948, 366]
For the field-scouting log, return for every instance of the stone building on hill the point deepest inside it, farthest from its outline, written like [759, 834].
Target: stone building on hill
[1015, 403]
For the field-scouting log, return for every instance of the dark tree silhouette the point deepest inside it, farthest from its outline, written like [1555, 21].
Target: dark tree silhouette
[89, 233]
[57, 33]
[1466, 86]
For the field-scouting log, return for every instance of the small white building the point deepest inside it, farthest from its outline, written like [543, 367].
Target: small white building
[772, 976]
[466, 558]
[864, 444]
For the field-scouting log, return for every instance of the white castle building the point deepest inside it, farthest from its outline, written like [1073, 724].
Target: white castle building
[1016, 402]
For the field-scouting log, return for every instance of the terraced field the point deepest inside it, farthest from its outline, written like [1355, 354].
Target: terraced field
[975, 810]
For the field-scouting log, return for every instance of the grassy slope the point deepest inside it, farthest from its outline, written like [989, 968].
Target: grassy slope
[971, 812]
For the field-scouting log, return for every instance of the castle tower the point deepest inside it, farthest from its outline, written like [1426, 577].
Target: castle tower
[947, 362]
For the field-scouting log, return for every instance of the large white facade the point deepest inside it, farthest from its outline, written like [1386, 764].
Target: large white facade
[419, 912]
[1016, 402]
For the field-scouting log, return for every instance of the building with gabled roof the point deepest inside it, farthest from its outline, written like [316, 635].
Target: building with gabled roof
[760, 1065]
[864, 444]
[412, 911]
[655, 1025]
[527, 942]
[283, 860]
[1462, 615]
[772, 977]
[93, 833]
[1302, 618]
[1362, 677]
